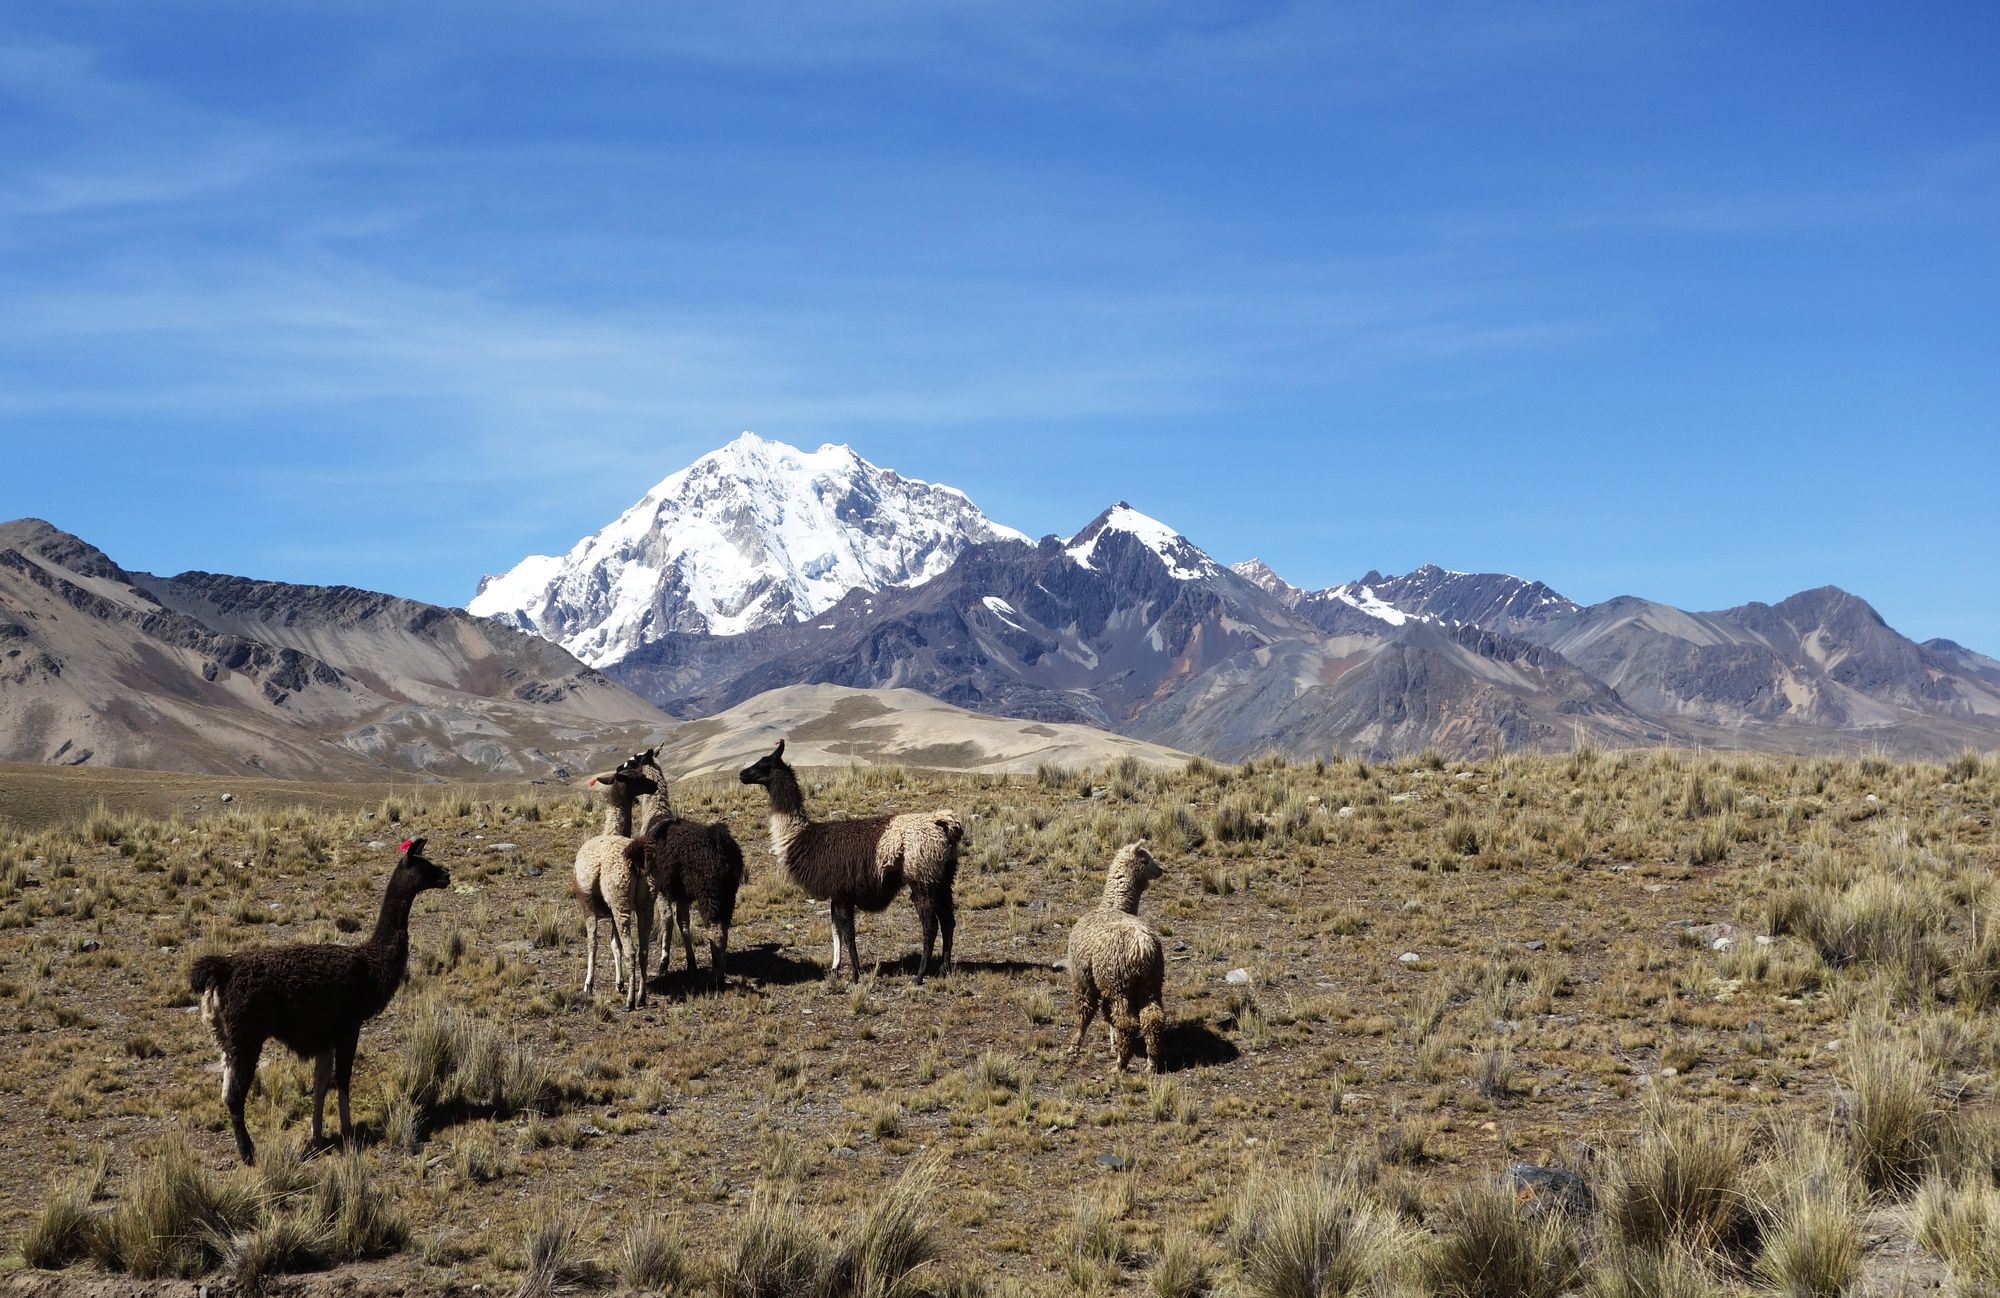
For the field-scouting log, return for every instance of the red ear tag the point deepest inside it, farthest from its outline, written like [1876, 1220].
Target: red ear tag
[406, 845]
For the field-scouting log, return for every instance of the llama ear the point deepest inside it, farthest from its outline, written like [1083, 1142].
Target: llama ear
[413, 846]
[780, 750]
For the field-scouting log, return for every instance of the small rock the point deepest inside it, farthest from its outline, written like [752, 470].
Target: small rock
[1765, 939]
[590, 1129]
[229, 797]
[1099, 794]
[1871, 798]
[1537, 945]
[533, 872]
[844, 1151]
[1237, 976]
[1542, 1189]
[1409, 957]
[1111, 1161]
[1345, 813]
[1061, 964]
[89, 944]
[1670, 1072]
[1180, 946]
[1722, 944]
[1401, 797]
[506, 847]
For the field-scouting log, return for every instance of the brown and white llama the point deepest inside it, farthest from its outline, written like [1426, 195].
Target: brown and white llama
[862, 864]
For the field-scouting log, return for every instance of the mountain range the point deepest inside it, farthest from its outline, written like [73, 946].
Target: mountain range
[225, 675]
[762, 567]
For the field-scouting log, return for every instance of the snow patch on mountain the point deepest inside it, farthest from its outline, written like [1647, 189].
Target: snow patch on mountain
[1183, 559]
[750, 535]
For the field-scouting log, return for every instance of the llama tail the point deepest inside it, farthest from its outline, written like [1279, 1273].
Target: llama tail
[207, 977]
[208, 973]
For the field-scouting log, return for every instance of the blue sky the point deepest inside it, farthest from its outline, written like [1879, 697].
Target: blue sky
[1693, 300]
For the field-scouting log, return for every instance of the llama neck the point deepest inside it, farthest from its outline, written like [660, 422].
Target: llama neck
[390, 944]
[1122, 892]
[618, 818]
[788, 812]
[786, 800]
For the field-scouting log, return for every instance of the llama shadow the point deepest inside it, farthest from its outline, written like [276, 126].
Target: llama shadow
[764, 964]
[907, 964]
[1191, 1043]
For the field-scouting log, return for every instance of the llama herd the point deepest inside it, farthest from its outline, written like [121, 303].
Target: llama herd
[313, 998]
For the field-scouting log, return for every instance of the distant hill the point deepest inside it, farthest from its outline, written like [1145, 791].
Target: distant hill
[833, 725]
[202, 672]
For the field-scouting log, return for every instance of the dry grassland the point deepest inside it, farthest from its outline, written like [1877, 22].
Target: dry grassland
[1752, 1001]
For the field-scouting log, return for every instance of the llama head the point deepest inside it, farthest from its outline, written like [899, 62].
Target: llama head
[422, 872]
[1136, 860]
[625, 786]
[761, 771]
[641, 761]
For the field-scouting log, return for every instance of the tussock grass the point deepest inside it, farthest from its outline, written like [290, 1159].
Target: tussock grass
[1895, 1115]
[650, 1257]
[1312, 1235]
[1688, 1180]
[1959, 1221]
[175, 1219]
[1488, 1248]
[452, 1059]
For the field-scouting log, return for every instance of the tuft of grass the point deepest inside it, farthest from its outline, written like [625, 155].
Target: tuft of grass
[451, 1059]
[1311, 1235]
[1896, 1113]
[1960, 1222]
[1487, 1248]
[1687, 1180]
[63, 1230]
[1184, 1269]
[882, 1253]
[552, 1250]
[650, 1258]
[361, 1220]
[777, 1252]
[283, 1244]
[1645, 1273]
[174, 1219]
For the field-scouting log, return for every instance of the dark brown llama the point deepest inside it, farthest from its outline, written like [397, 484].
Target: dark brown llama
[862, 864]
[312, 998]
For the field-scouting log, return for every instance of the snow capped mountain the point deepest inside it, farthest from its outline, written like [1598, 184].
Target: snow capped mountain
[1184, 561]
[1259, 574]
[751, 535]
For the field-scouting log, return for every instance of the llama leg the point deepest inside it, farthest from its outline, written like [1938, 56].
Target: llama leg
[590, 962]
[719, 952]
[833, 918]
[617, 953]
[239, 1070]
[322, 1079]
[343, 1077]
[1152, 1024]
[1124, 1034]
[844, 920]
[666, 923]
[927, 916]
[687, 934]
[1083, 1004]
[947, 913]
[633, 925]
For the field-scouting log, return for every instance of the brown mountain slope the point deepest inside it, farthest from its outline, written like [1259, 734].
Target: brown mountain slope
[103, 666]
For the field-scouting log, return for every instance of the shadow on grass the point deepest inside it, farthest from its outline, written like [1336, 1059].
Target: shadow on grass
[1191, 1043]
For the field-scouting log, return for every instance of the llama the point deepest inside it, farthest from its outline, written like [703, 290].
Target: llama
[313, 998]
[862, 864]
[1116, 964]
[691, 864]
[608, 887]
